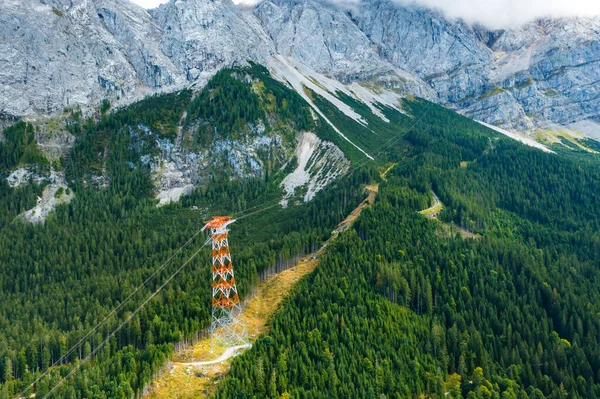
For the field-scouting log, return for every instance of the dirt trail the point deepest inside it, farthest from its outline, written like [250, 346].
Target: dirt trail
[346, 223]
[195, 372]
[229, 352]
[385, 172]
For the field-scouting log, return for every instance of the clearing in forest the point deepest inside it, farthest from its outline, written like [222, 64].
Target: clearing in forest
[435, 209]
[195, 372]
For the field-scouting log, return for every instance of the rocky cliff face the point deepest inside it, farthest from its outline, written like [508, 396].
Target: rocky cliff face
[539, 74]
[62, 53]
[203, 36]
[552, 69]
[139, 35]
[58, 54]
[446, 54]
[327, 40]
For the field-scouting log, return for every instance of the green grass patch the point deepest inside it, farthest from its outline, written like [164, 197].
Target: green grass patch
[494, 91]
[58, 12]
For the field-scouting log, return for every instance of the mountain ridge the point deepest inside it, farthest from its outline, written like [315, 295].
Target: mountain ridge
[537, 78]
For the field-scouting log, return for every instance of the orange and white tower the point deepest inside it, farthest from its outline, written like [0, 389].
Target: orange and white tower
[227, 327]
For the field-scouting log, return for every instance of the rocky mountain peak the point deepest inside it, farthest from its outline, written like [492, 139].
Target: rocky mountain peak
[57, 54]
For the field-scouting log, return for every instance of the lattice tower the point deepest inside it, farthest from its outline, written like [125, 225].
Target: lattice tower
[227, 327]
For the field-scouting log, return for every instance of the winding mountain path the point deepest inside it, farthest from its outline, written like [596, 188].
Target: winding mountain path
[435, 209]
[229, 352]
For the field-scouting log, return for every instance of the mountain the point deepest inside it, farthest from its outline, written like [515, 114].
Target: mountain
[494, 298]
[466, 264]
[203, 36]
[539, 78]
[59, 54]
[539, 74]
[326, 39]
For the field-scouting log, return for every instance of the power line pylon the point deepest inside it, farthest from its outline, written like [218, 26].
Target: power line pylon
[227, 327]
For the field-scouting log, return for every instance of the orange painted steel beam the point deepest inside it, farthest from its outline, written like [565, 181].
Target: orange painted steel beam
[224, 284]
[217, 221]
[220, 252]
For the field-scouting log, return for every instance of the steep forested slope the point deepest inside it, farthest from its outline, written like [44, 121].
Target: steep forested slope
[60, 279]
[401, 309]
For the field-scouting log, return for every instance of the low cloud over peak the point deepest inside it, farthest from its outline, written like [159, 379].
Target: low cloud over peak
[495, 14]
[498, 14]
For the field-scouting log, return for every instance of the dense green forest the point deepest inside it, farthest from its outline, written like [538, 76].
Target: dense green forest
[118, 244]
[400, 307]
[19, 147]
[60, 279]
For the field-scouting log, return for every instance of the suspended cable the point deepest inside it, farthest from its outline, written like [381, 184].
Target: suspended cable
[127, 320]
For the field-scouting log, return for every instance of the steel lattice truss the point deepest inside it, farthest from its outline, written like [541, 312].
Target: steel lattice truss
[227, 327]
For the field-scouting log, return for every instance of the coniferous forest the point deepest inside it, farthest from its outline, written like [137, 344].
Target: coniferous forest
[404, 306]
[496, 298]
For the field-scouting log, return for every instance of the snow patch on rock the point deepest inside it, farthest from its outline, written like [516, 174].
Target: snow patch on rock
[519, 137]
[329, 88]
[319, 163]
[285, 72]
[299, 177]
[375, 99]
[321, 85]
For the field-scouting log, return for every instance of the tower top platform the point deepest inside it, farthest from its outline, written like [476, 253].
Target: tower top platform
[218, 222]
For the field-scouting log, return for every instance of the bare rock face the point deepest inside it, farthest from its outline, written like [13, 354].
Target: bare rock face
[203, 36]
[322, 37]
[325, 38]
[139, 35]
[64, 53]
[552, 68]
[446, 54]
[56, 54]
[537, 74]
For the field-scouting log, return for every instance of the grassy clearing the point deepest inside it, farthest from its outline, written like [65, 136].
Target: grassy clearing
[449, 230]
[385, 172]
[433, 210]
[183, 381]
[494, 91]
[572, 136]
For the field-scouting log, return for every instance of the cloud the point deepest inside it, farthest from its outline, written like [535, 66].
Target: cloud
[498, 14]
[149, 3]
[494, 14]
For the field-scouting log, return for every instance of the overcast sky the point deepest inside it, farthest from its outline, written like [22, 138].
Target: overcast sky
[492, 13]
